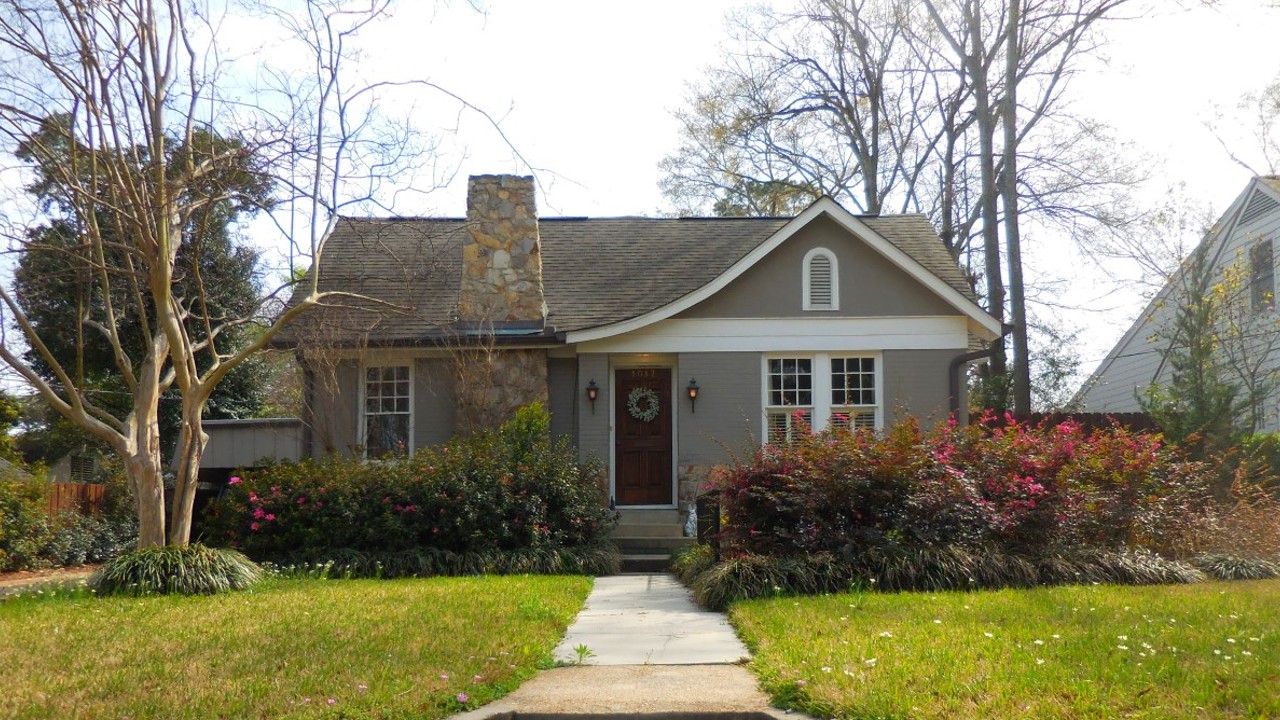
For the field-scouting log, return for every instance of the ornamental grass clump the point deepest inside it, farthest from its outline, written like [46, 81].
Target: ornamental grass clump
[510, 500]
[173, 570]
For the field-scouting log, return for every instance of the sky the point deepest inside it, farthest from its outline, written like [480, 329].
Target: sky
[584, 91]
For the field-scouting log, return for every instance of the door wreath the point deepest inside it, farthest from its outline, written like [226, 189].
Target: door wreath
[642, 404]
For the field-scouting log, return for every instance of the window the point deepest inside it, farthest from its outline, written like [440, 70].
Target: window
[821, 289]
[853, 392]
[387, 411]
[820, 390]
[790, 395]
[1262, 276]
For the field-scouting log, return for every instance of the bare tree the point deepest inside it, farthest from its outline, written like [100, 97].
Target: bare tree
[135, 79]
[953, 108]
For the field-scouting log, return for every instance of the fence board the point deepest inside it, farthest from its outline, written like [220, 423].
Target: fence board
[76, 497]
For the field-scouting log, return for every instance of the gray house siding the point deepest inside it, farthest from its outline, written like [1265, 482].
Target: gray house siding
[916, 383]
[870, 285]
[593, 424]
[562, 381]
[333, 412]
[433, 401]
[728, 412]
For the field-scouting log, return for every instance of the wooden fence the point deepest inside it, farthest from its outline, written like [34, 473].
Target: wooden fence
[1135, 421]
[76, 497]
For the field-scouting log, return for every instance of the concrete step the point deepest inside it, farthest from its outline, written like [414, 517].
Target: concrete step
[627, 516]
[637, 530]
[646, 563]
[651, 545]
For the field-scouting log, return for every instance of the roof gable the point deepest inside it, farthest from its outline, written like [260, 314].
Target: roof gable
[1260, 198]
[913, 232]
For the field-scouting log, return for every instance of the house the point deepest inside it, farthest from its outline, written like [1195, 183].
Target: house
[658, 345]
[1241, 245]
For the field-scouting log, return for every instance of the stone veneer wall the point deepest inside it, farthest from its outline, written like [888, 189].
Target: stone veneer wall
[492, 385]
[502, 263]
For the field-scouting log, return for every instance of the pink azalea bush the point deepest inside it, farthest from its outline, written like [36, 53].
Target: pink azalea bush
[1027, 490]
[515, 488]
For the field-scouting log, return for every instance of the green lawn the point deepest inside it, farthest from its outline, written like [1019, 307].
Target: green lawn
[293, 648]
[1187, 651]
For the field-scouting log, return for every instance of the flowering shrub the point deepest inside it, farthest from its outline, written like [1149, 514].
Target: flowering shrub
[1019, 489]
[506, 490]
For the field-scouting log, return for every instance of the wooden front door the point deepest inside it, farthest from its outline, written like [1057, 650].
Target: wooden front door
[642, 436]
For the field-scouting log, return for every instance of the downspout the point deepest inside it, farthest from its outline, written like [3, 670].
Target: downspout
[959, 361]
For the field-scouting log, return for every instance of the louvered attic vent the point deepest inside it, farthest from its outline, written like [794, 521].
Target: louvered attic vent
[820, 283]
[1260, 204]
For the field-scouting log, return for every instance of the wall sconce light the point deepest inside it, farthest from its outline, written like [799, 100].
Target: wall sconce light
[593, 392]
[692, 388]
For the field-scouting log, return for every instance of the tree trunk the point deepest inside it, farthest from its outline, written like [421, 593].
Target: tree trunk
[1012, 237]
[987, 164]
[142, 453]
[191, 446]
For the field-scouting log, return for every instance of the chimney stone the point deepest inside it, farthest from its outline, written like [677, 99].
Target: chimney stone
[502, 261]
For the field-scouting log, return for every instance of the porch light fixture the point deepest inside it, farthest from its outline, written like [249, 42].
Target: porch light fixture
[692, 388]
[593, 392]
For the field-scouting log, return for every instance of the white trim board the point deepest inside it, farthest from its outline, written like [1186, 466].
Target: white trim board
[981, 323]
[790, 335]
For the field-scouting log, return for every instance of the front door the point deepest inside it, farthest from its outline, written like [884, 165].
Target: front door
[642, 436]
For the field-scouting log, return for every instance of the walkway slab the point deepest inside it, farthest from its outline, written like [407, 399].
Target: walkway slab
[648, 620]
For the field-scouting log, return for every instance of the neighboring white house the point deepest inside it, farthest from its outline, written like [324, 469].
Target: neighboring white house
[1245, 234]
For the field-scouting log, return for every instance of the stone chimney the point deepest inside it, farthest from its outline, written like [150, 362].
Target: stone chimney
[499, 301]
[502, 262]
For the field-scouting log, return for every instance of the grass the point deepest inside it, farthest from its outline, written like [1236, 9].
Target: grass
[290, 648]
[1210, 650]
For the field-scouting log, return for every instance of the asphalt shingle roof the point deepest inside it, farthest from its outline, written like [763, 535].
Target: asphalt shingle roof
[595, 271]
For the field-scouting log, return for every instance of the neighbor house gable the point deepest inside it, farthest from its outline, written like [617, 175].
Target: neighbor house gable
[827, 211]
[1139, 358]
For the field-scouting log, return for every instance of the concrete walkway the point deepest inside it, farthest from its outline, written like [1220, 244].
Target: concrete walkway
[648, 620]
[653, 653]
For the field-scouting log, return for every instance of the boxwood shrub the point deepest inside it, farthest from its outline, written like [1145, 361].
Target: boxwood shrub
[513, 490]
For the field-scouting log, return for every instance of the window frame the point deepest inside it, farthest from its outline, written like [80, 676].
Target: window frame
[821, 410]
[1262, 281]
[806, 272]
[362, 422]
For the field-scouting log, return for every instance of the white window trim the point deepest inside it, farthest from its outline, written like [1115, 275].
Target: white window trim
[807, 275]
[821, 387]
[362, 384]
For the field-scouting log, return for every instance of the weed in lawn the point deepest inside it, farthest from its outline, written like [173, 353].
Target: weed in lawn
[583, 653]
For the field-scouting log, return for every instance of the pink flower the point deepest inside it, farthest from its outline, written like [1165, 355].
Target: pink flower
[444, 676]
[234, 481]
[254, 527]
[258, 513]
[271, 516]
[332, 700]
[463, 698]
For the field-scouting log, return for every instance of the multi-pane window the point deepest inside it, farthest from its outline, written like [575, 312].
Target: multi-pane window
[820, 391]
[1262, 276]
[853, 392]
[387, 410]
[790, 392]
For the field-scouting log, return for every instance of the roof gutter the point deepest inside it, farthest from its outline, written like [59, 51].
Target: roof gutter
[959, 361]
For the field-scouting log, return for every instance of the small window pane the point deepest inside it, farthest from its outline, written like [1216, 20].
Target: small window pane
[387, 410]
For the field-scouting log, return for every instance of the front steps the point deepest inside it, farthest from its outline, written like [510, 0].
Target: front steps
[647, 538]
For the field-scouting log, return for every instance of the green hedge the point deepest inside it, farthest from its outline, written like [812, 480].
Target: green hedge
[510, 490]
